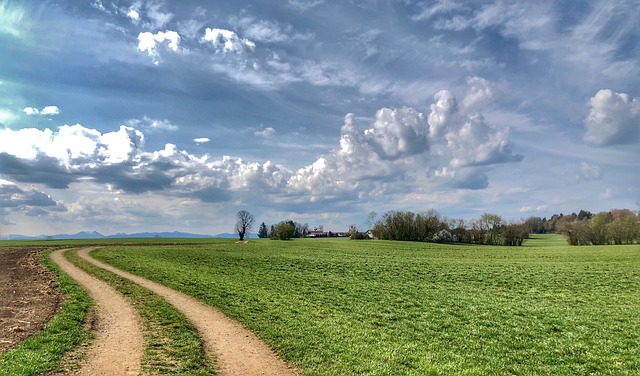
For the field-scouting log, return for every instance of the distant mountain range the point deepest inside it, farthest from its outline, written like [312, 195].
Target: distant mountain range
[97, 235]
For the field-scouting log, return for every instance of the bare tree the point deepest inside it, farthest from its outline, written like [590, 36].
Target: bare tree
[244, 223]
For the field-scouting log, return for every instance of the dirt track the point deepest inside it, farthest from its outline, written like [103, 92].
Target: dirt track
[238, 351]
[118, 346]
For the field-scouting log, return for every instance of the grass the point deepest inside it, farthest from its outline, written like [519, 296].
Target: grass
[546, 240]
[64, 333]
[338, 307]
[69, 243]
[172, 345]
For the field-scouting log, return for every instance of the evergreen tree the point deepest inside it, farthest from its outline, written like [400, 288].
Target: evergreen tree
[263, 232]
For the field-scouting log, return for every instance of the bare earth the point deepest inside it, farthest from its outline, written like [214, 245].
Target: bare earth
[237, 350]
[118, 346]
[28, 298]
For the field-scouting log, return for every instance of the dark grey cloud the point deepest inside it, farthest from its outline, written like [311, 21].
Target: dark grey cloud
[211, 194]
[44, 170]
[134, 178]
[31, 202]
[470, 179]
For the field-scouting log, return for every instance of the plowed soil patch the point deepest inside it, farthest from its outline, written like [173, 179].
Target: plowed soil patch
[28, 298]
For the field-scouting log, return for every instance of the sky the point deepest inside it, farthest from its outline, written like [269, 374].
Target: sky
[160, 115]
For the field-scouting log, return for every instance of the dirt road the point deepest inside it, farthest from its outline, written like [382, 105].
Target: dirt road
[118, 346]
[238, 351]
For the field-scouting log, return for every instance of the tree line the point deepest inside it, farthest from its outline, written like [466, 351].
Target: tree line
[283, 230]
[617, 226]
[430, 226]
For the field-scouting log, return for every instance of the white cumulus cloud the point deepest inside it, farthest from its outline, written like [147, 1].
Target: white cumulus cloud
[45, 111]
[441, 112]
[151, 125]
[398, 132]
[614, 118]
[452, 146]
[398, 150]
[149, 43]
[71, 144]
[134, 15]
[227, 41]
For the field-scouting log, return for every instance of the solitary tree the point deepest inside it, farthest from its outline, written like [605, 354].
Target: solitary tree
[244, 223]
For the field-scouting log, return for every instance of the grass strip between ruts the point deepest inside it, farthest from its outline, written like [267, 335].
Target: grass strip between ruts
[65, 332]
[172, 345]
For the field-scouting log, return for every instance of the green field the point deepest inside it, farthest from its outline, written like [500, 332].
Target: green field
[338, 307]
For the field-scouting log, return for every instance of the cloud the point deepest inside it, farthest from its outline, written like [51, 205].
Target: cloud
[305, 5]
[614, 118]
[588, 171]
[512, 18]
[265, 133]
[150, 14]
[158, 18]
[227, 41]
[6, 116]
[18, 18]
[58, 159]
[404, 150]
[97, 4]
[149, 43]
[118, 159]
[439, 7]
[201, 140]
[268, 31]
[473, 178]
[398, 150]
[441, 112]
[11, 195]
[45, 111]
[191, 27]
[480, 92]
[134, 15]
[30, 202]
[150, 125]
[476, 143]
[533, 209]
[398, 132]
[46, 170]
[607, 194]
[469, 139]
[6, 222]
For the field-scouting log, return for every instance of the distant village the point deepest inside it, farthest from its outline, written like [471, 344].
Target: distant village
[327, 234]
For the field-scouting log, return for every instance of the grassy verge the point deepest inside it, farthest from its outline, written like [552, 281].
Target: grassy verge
[172, 346]
[337, 307]
[65, 332]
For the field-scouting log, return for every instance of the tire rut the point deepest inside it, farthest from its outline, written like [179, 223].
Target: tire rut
[237, 351]
[118, 346]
